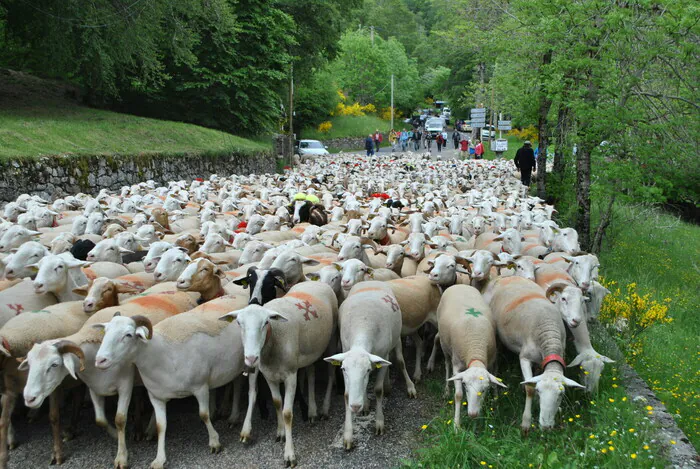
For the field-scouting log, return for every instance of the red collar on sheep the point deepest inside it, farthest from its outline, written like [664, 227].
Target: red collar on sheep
[474, 360]
[553, 358]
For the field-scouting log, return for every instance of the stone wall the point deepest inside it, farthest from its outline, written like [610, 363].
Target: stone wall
[57, 176]
[346, 143]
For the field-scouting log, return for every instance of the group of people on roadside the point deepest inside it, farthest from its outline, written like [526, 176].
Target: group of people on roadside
[525, 159]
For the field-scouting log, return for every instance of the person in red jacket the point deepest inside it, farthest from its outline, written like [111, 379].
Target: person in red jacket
[479, 150]
[377, 139]
[464, 147]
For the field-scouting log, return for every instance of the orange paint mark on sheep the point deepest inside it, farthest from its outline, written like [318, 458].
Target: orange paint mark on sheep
[134, 279]
[156, 302]
[302, 296]
[550, 277]
[233, 274]
[522, 300]
[89, 273]
[367, 289]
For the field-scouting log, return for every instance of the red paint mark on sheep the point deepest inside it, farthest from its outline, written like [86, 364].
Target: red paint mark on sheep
[390, 299]
[308, 310]
[17, 308]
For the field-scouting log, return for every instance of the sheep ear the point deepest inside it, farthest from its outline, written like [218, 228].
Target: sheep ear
[229, 317]
[219, 273]
[378, 362]
[273, 316]
[496, 381]
[24, 365]
[313, 276]
[69, 363]
[534, 380]
[499, 237]
[83, 290]
[125, 251]
[244, 282]
[336, 359]
[142, 333]
[576, 361]
[338, 266]
[370, 272]
[309, 261]
[571, 383]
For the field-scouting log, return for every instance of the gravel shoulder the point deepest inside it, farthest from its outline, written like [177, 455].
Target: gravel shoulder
[318, 445]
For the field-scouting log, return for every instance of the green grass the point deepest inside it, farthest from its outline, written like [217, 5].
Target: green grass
[495, 437]
[514, 143]
[351, 126]
[662, 255]
[59, 128]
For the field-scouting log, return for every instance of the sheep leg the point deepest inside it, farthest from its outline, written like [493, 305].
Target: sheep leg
[120, 462]
[277, 402]
[325, 410]
[230, 392]
[379, 394]
[457, 398]
[98, 402]
[203, 398]
[11, 436]
[252, 396]
[398, 351]
[161, 425]
[78, 395]
[387, 383]
[55, 421]
[8, 403]
[235, 390]
[212, 402]
[433, 354]
[311, 384]
[526, 369]
[418, 342]
[448, 367]
[290, 387]
[347, 429]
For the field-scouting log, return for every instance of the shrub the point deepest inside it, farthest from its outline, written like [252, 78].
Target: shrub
[528, 133]
[629, 314]
[325, 127]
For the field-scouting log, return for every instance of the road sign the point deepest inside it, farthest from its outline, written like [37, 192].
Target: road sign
[479, 124]
[499, 145]
[479, 112]
[504, 125]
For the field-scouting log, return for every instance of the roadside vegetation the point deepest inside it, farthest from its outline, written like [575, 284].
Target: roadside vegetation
[348, 126]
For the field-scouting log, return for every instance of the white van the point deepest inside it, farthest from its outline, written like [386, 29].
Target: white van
[434, 126]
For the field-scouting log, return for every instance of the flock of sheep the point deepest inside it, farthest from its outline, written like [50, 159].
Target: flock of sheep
[197, 285]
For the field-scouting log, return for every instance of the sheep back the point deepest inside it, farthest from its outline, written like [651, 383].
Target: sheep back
[417, 297]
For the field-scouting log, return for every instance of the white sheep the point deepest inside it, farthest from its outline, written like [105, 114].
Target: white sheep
[468, 340]
[370, 329]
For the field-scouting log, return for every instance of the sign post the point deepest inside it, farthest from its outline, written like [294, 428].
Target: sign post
[478, 119]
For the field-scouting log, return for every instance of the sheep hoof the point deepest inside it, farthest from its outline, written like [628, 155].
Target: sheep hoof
[68, 435]
[290, 462]
[312, 419]
[215, 449]
[379, 430]
[158, 465]
[412, 392]
[347, 444]
[245, 439]
[324, 416]
[57, 459]
[121, 465]
[12, 446]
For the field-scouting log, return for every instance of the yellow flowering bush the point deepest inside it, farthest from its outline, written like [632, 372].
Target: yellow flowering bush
[385, 114]
[630, 314]
[325, 127]
[528, 133]
[355, 109]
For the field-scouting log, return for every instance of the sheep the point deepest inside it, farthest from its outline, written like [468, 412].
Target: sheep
[285, 335]
[15, 236]
[60, 274]
[163, 353]
[214, 243]
[44, 378]
[107, 250]
[597, 294]
[204, 277]
[370, 329]
[418, 299]
[21, 298]
[355, 271]
[16, 264]
[171, 264]
[264, 284]
[253, 252]
[103, 292]
[444, 270]
[509, 241]
[330, 275]
[583, 268]
[62, 243]
[530, 325]
[17, 338]
[468, 341]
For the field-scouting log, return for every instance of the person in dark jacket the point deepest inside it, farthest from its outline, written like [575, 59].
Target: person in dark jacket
[525, 162]
[456, 138]
[369, 145]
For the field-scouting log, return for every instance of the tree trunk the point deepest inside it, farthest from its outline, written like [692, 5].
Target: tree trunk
[583, 195]
[605, 220]
[560, 141]
[543, 135]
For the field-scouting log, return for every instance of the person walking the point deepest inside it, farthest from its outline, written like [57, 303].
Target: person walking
[464, 148]
[404, 140]
[377, 140]
[440, 142]
[455, 138]
[369, 145]
[417, 136]
[525, 162]
[392, 139]
[479, 150]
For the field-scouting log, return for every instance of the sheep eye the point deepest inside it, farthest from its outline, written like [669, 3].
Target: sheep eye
[54, 365]
[129, 336]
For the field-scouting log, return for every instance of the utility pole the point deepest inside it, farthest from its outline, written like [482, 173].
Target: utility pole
[392, 101]
[291, 115]
[491, 132]
[371, 34]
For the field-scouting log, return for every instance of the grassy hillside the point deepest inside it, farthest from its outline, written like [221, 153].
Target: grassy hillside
[37, 118]
[351, 126]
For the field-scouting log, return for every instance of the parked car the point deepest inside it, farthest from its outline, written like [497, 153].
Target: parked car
[310, 148]
[485, 132]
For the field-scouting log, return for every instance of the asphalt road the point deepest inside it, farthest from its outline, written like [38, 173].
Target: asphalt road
[318, 445]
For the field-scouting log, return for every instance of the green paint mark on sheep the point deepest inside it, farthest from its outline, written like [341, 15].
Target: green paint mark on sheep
[473, 312]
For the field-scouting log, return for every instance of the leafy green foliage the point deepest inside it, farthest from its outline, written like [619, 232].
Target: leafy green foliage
[315, 99]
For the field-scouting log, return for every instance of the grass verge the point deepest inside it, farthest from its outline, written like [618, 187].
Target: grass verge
[660, 255]
[54, 129]
[350, 126]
